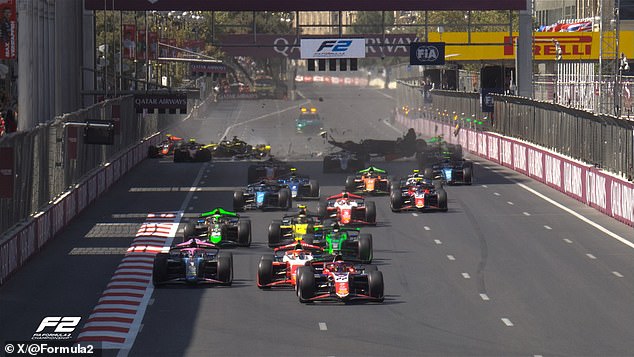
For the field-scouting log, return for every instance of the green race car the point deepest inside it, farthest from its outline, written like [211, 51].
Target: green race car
[348, 242]
[221, 227]
[309, 121]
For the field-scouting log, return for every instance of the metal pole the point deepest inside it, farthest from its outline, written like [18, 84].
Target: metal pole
[120, 48]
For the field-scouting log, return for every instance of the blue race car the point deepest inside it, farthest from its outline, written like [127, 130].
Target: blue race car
[451, 172]
[266, 194]
[300, 186]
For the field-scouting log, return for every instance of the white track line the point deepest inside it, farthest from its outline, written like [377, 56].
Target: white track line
[484, 297]
[591, 256]
[263, 116]
[507, 322]
[578, 215]
[451, 257]
[466, 275]
[322, 326]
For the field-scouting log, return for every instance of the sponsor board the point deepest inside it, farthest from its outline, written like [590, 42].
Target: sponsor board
[332, 48]
[161, 102]
[427, 53]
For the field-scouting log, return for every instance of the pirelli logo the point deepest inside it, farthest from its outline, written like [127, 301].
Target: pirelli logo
[572, 47]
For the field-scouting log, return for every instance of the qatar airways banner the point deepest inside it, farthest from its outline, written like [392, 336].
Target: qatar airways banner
[606, 193]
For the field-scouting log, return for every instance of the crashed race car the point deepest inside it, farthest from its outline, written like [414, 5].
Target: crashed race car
[165, 148]
[418, 194]
[438, 150]
[192, 152]
[300, 227]
[308, 121]
[300, 186]
[407, 146]
[238, 149]
[222, 228]
[266, 194]
[280, 270]
[348, 209]
[192, 262]
[371, 181]
[343, 161]
[347, 242]
[339, 280]
[270, 169]
[451, 172]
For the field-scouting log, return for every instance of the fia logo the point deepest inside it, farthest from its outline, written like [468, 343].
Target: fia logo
[427, 53]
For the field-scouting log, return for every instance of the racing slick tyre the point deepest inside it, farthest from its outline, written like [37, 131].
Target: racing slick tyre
[437, 184]
[428, 173]
[159, 270]
[442, 199]
[350, 184]
[189, 230]
[202, 155]
[265, 273]
[467, 174]
[396, 201]
[365, 248]
[313, 188]
[370, 212]
[244, 233]
[395, 185]
[152, 152]
[322, 209]
[225, 268]
[284, 199]
[305, 284]
[238, 201]
[375, 285]
[179, 156]
[275, 234]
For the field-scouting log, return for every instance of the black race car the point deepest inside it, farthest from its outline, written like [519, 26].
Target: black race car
[301, 186]
[268, 170]
[343, 161]
[266, 194]
[192, 152]
[239, 149]
[192, 262]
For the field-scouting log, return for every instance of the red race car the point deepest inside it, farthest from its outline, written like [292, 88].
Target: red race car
[348, 209]
[165, 148]
[280, 269]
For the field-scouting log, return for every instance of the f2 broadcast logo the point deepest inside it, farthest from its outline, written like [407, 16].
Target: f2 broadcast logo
[335, 45]
[62, 328]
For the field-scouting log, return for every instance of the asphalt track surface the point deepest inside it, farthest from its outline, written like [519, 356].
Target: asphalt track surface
[503, 273]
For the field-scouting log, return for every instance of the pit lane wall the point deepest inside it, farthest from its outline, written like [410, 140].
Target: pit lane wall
[609, 194]
[25, 239]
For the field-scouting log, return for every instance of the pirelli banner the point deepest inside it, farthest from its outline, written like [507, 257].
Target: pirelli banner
[479, 46]
[172, 103]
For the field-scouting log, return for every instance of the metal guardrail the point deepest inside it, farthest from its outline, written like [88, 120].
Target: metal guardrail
[51, 158]
[602, 140]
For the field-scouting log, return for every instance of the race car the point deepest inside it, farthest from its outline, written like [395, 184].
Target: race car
[300, 227]
[193, 261]
[343, 161]
[267, 170]
[165, 148]
[418, 194]
[192, 152]
[266, 194]
[451, 172]
[339, 280]
[280, 270]
[348, 209]
[300, 186]
[372, 180]
[348, 242]
[238, 149]
[222, 228]
[438, 149]
[309, 121]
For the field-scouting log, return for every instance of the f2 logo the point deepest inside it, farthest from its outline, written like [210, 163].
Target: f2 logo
[64, 324]
[337, 46]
